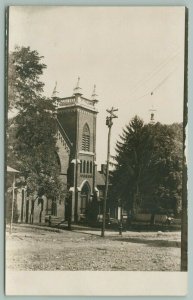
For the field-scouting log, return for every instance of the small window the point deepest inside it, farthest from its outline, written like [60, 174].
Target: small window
[86, 138]
[91, 167]
[87, 165]
[84, 167]
[81, 166]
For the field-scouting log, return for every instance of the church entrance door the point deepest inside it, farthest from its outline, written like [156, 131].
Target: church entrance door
[84, 198]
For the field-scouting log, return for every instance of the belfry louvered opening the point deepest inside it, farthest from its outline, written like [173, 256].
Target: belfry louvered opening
[86, 138]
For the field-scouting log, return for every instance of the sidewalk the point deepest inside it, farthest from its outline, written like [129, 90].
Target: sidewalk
[97, 231]
[75, 228]
[35, 226]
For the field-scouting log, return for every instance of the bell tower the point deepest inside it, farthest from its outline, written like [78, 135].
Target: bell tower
[77, 116]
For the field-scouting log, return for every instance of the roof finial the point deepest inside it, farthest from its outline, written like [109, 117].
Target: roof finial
[55, 91]
[78, 82]
[94, 95]
[77, 88]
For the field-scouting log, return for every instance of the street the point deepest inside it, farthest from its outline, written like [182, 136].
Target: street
[31, 248]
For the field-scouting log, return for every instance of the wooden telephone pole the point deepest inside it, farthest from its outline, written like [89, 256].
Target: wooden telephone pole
[109, 123]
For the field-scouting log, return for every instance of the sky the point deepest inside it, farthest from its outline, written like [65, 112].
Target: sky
[134, 55]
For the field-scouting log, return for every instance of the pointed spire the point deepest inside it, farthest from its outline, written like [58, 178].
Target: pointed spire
[77, 89]
[54, 93]
[94, 95]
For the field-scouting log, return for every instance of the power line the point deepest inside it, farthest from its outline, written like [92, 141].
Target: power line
[157, 69]
[162, 82]
[151, 92]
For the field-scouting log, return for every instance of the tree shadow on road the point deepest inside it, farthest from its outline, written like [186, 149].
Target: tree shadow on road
[151, 242]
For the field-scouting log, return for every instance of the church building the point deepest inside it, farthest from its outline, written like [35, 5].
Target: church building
[76, 156]
[76, 118]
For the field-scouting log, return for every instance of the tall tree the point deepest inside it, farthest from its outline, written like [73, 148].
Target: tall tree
[149, 169]
[166, 166]
[24, 71]
[32, 133]
[134, 151]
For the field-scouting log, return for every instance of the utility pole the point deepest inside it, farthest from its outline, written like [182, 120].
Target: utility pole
[109, 123]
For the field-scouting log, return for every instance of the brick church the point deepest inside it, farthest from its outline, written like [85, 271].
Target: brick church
[76, 143]
[76, 117]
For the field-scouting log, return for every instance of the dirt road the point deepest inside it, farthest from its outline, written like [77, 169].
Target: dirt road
[34, 249]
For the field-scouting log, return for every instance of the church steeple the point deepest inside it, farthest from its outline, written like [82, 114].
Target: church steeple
[77, 116]
[77, 89]
[77, 100]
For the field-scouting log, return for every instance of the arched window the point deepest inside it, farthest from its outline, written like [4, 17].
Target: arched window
[86, 138]
[91, 167]
[84, 167]
[87, 165]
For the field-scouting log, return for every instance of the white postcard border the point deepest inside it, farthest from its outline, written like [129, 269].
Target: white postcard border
[85, 283]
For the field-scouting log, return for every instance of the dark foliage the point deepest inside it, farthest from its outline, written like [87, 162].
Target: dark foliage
[148, 175]
[32, 133]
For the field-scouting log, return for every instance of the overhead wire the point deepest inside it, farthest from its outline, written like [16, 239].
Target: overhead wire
[160, 84]
[151, 91]
[157, 69]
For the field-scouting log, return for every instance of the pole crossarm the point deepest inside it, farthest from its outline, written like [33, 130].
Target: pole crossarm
[111, 111]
